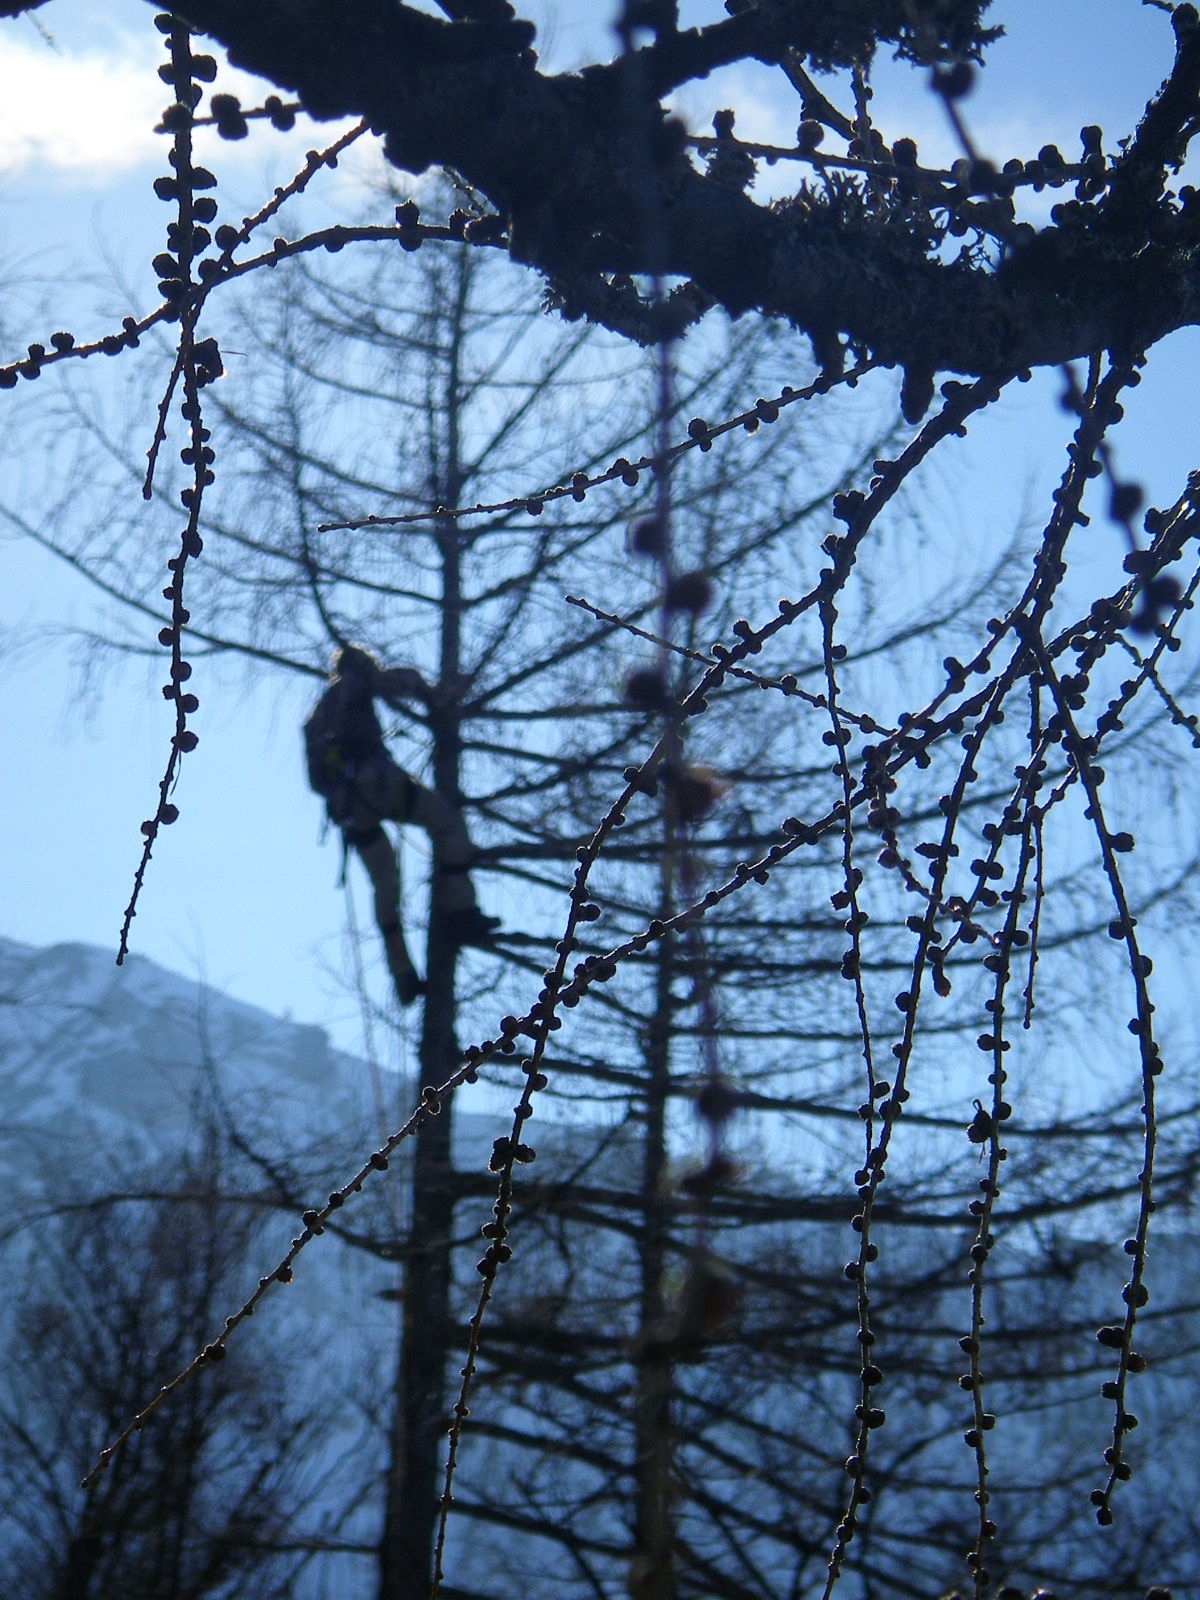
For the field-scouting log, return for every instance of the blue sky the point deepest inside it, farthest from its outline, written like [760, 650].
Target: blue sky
[239, 891]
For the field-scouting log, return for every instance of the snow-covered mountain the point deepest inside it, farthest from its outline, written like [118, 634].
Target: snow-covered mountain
[118, 1054]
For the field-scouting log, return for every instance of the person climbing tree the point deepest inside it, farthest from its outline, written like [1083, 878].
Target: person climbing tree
[350, 768]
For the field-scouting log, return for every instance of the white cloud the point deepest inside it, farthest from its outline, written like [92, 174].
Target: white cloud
[84, 113]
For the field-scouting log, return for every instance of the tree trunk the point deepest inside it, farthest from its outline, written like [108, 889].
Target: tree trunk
[421, 1417]
[652, 1576]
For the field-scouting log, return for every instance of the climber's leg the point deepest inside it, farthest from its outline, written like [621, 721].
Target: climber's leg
[452, 852]
[408, 985]
[447, 831]
[375, 851]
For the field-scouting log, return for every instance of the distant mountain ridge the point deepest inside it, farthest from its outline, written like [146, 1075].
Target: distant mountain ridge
[86, 1046]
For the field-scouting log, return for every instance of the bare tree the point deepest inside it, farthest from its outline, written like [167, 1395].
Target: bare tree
[980, 805]
[447, 386]
[113, 1291]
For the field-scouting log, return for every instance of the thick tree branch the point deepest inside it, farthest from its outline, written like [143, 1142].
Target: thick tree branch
[554, 154]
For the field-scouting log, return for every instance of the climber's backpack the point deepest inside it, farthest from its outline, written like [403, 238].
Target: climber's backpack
[327, 764]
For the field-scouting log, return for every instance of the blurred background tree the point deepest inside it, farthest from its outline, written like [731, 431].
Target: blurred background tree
[114, 1288]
